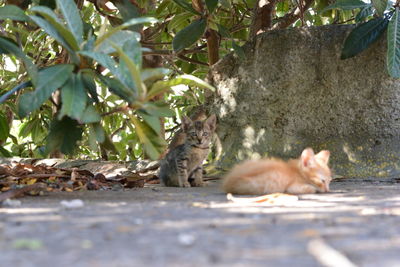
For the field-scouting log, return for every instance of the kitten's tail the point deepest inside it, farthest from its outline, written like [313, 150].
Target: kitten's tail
[276, 198]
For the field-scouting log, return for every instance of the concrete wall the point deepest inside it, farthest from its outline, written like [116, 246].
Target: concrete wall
[293, 91]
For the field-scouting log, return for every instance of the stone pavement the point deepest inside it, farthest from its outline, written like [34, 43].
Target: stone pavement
[357, 224]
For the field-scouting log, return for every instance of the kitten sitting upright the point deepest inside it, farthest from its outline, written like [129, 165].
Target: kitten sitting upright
[183, 165]
[308, 174]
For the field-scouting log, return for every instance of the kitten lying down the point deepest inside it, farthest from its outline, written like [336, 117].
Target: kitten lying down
[306, 175]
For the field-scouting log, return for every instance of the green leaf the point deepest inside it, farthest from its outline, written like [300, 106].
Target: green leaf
[73, 98]
[163, 6]
[238, 50]
[362, 36]
[38, 132]
[179, 21]
[224, 31]
[119, 39]
[158, 109]
[72, 17]
[152, 121]
[364, 13]
[132, 49]
[53, 32]
[52, 18]
[90, 115]
[163, 86]
[90, 85]
[153, 144]
[92, 138]
[211, 5]
[133, 70]
[226, 4]
[34, 128]
[49, 80]
[189, 35]
[12, 12]
[107, 62]
[129, 11]
[4, 152]
[154, 74]
[4, 97]
[26, 128]
[185, 5]
[10, 47]
[100, 134]
[64, 135]
[131, 22]
[4, 128]
[380, 6]
[117, 88]
[393, 45]
[346, 5]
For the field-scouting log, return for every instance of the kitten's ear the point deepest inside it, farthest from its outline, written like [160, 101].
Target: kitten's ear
[323, 155]
[307, 157]
[212, 122]
[186, 123]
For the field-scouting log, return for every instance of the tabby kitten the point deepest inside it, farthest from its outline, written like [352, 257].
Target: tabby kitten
[183, 165]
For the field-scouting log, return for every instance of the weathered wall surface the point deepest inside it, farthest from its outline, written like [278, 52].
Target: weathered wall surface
[293, 91]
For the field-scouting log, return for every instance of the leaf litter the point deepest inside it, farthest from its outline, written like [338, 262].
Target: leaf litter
[18, 179]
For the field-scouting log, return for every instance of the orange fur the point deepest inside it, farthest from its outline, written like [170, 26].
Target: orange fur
[308, 174]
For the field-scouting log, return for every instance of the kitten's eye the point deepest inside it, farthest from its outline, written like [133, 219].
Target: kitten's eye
[193, 134]
[205, 134]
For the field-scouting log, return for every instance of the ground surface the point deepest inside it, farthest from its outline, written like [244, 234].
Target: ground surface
[358, 224]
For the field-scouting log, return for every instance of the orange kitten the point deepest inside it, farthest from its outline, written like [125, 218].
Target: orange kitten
[308, 174]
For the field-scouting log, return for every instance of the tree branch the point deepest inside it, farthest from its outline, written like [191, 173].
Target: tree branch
[190, 60]
[115, 110]
[264, 12]
[213, 46]
[292, 16]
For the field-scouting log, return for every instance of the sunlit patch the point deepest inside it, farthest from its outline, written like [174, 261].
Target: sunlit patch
[114, 204]
[327, 255]
[380, 211]
[179, 89]
[350, 155]
[27, 210]
[9, 65]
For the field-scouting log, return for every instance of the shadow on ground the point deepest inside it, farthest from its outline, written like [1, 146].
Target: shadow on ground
[355, 225]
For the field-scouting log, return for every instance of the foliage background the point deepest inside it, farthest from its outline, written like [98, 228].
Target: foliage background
[139, 65]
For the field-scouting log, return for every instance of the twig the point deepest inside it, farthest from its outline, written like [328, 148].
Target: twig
[190, 60]
[115, 110]
[154, 44]
[124, 124]
[292, 16]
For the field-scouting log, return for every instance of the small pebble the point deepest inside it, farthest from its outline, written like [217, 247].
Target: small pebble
[72, 204]
[186, 239]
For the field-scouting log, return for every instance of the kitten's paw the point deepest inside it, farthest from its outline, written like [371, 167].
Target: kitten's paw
[199, 184]
[186, 184]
